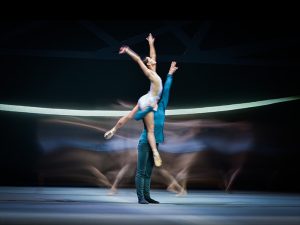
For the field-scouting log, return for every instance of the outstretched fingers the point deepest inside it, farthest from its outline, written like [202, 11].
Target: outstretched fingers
[123, 49]
[150, 38]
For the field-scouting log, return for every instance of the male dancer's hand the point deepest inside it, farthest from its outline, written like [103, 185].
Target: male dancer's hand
[173, 68]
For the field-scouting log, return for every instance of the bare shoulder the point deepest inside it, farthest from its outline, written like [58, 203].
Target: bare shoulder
[154, 74]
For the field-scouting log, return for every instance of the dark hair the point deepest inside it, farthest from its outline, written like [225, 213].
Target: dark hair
[146, 60]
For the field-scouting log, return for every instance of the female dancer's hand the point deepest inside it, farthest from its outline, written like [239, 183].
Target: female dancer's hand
[123, 49]
[150, 39]
[173, 68]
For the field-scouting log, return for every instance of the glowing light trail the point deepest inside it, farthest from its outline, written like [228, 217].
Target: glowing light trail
[118, 113]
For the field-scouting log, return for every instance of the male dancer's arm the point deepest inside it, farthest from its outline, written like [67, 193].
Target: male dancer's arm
[167, 85]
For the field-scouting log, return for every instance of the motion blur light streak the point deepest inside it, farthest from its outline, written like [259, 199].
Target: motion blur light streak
[229, 107]
[115, 113]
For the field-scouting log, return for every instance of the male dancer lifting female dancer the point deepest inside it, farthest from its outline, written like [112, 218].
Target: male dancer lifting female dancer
[148, 102]
[145, 159]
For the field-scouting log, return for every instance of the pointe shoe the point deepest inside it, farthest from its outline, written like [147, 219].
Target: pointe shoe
[157, 159]
[110, 133]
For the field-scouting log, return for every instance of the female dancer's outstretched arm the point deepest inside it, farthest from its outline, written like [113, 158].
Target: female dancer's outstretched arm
[137, 58]
[152, 53]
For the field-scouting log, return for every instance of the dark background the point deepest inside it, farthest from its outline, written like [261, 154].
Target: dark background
[75, 64]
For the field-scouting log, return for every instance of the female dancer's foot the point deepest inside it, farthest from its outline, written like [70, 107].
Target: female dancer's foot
[110, 133]
[157, 159]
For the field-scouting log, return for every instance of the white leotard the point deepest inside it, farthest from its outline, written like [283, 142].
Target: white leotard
[148, 99]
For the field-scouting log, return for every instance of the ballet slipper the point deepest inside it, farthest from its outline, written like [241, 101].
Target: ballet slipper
[157, 159]
[110, 133]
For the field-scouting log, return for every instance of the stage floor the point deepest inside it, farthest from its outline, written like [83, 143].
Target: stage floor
[59, 205]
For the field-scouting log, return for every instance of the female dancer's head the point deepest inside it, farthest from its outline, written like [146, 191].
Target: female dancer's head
[149, 62]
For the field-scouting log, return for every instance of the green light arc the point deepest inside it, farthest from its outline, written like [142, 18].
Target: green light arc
[118, 113]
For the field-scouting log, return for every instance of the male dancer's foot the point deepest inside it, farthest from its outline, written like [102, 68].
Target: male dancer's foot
[143, 201]
[150, 200]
